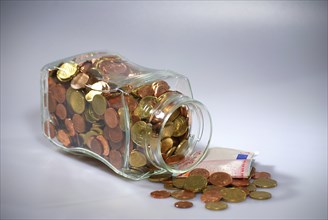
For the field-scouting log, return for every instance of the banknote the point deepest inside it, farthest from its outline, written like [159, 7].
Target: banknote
[238, 163]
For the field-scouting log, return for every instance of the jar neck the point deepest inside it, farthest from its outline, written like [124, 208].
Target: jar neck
[184, 134]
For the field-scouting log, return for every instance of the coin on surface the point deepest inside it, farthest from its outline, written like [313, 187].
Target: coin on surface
[260, 195]
[195, 183]
[160, 194]
[261, 175]
[183, 194]
[211, 196]
[233, 195]
[160, 177]
[179, 182]
[200, 172]
[99, 104]
[66, 71]
[215, 206]
[183, 204]
[240, 182]
[77, 102]
[137, 159]
[220, 179]
[251, 187]
[265, 183]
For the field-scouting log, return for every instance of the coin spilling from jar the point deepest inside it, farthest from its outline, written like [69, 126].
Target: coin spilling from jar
[87, 111]
[216, 190]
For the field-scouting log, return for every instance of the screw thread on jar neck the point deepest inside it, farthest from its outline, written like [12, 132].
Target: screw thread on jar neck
[184, 134]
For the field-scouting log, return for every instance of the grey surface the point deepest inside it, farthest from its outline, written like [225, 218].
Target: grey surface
[259, 67]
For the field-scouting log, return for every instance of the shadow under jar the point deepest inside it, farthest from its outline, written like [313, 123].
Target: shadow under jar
[136, 120]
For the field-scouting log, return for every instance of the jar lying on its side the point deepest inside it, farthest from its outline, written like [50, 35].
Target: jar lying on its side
[138, 121]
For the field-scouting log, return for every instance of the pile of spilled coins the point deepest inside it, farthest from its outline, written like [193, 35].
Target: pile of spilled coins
[86, 110]
[216, 189]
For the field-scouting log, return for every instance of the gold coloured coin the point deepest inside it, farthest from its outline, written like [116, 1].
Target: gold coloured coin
[195, 183]
[182, 147]
[77, 102]
[160, 177]
[215, 206]
[180, 126]
[166, 144]
[92, 93]
[168, 130]
[265, 183]
[66, 71]
[251, 187]
[145, 107]
[99, 104]
[140, 132]
[174, 115]
[179, 182]
[137, 159]
[233, 195]
[260, 195]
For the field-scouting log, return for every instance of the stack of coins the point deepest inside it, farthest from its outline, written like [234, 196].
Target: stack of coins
[87, 111]
[217, 189]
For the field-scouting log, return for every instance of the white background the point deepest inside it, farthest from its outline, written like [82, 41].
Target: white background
[259, 67]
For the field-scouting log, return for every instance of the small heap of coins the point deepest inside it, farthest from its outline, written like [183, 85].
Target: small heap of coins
[216, 189]
[86, 110]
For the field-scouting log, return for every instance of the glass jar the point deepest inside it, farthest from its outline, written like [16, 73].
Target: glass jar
[136, 120]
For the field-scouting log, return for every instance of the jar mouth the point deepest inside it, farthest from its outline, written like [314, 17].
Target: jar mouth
[190, 138]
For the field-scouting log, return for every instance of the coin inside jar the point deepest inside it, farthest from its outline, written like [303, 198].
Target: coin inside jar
[99, 104]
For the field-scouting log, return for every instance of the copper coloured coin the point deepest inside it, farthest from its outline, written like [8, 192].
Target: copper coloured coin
[211, 196]
[160, 194]
[111, 118]
[115, 134]
[61, 111]
[240, 182]
[70, 127]
[79, 123]
[174, 159]
[116, 159]
[183, 194]
[52, 103]
[261, 175]
[183, 204]
[200, 172]
[220, 179]
[63, 137]
[59, 93]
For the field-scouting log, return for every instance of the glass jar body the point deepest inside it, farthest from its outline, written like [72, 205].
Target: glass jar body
[136, 120]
